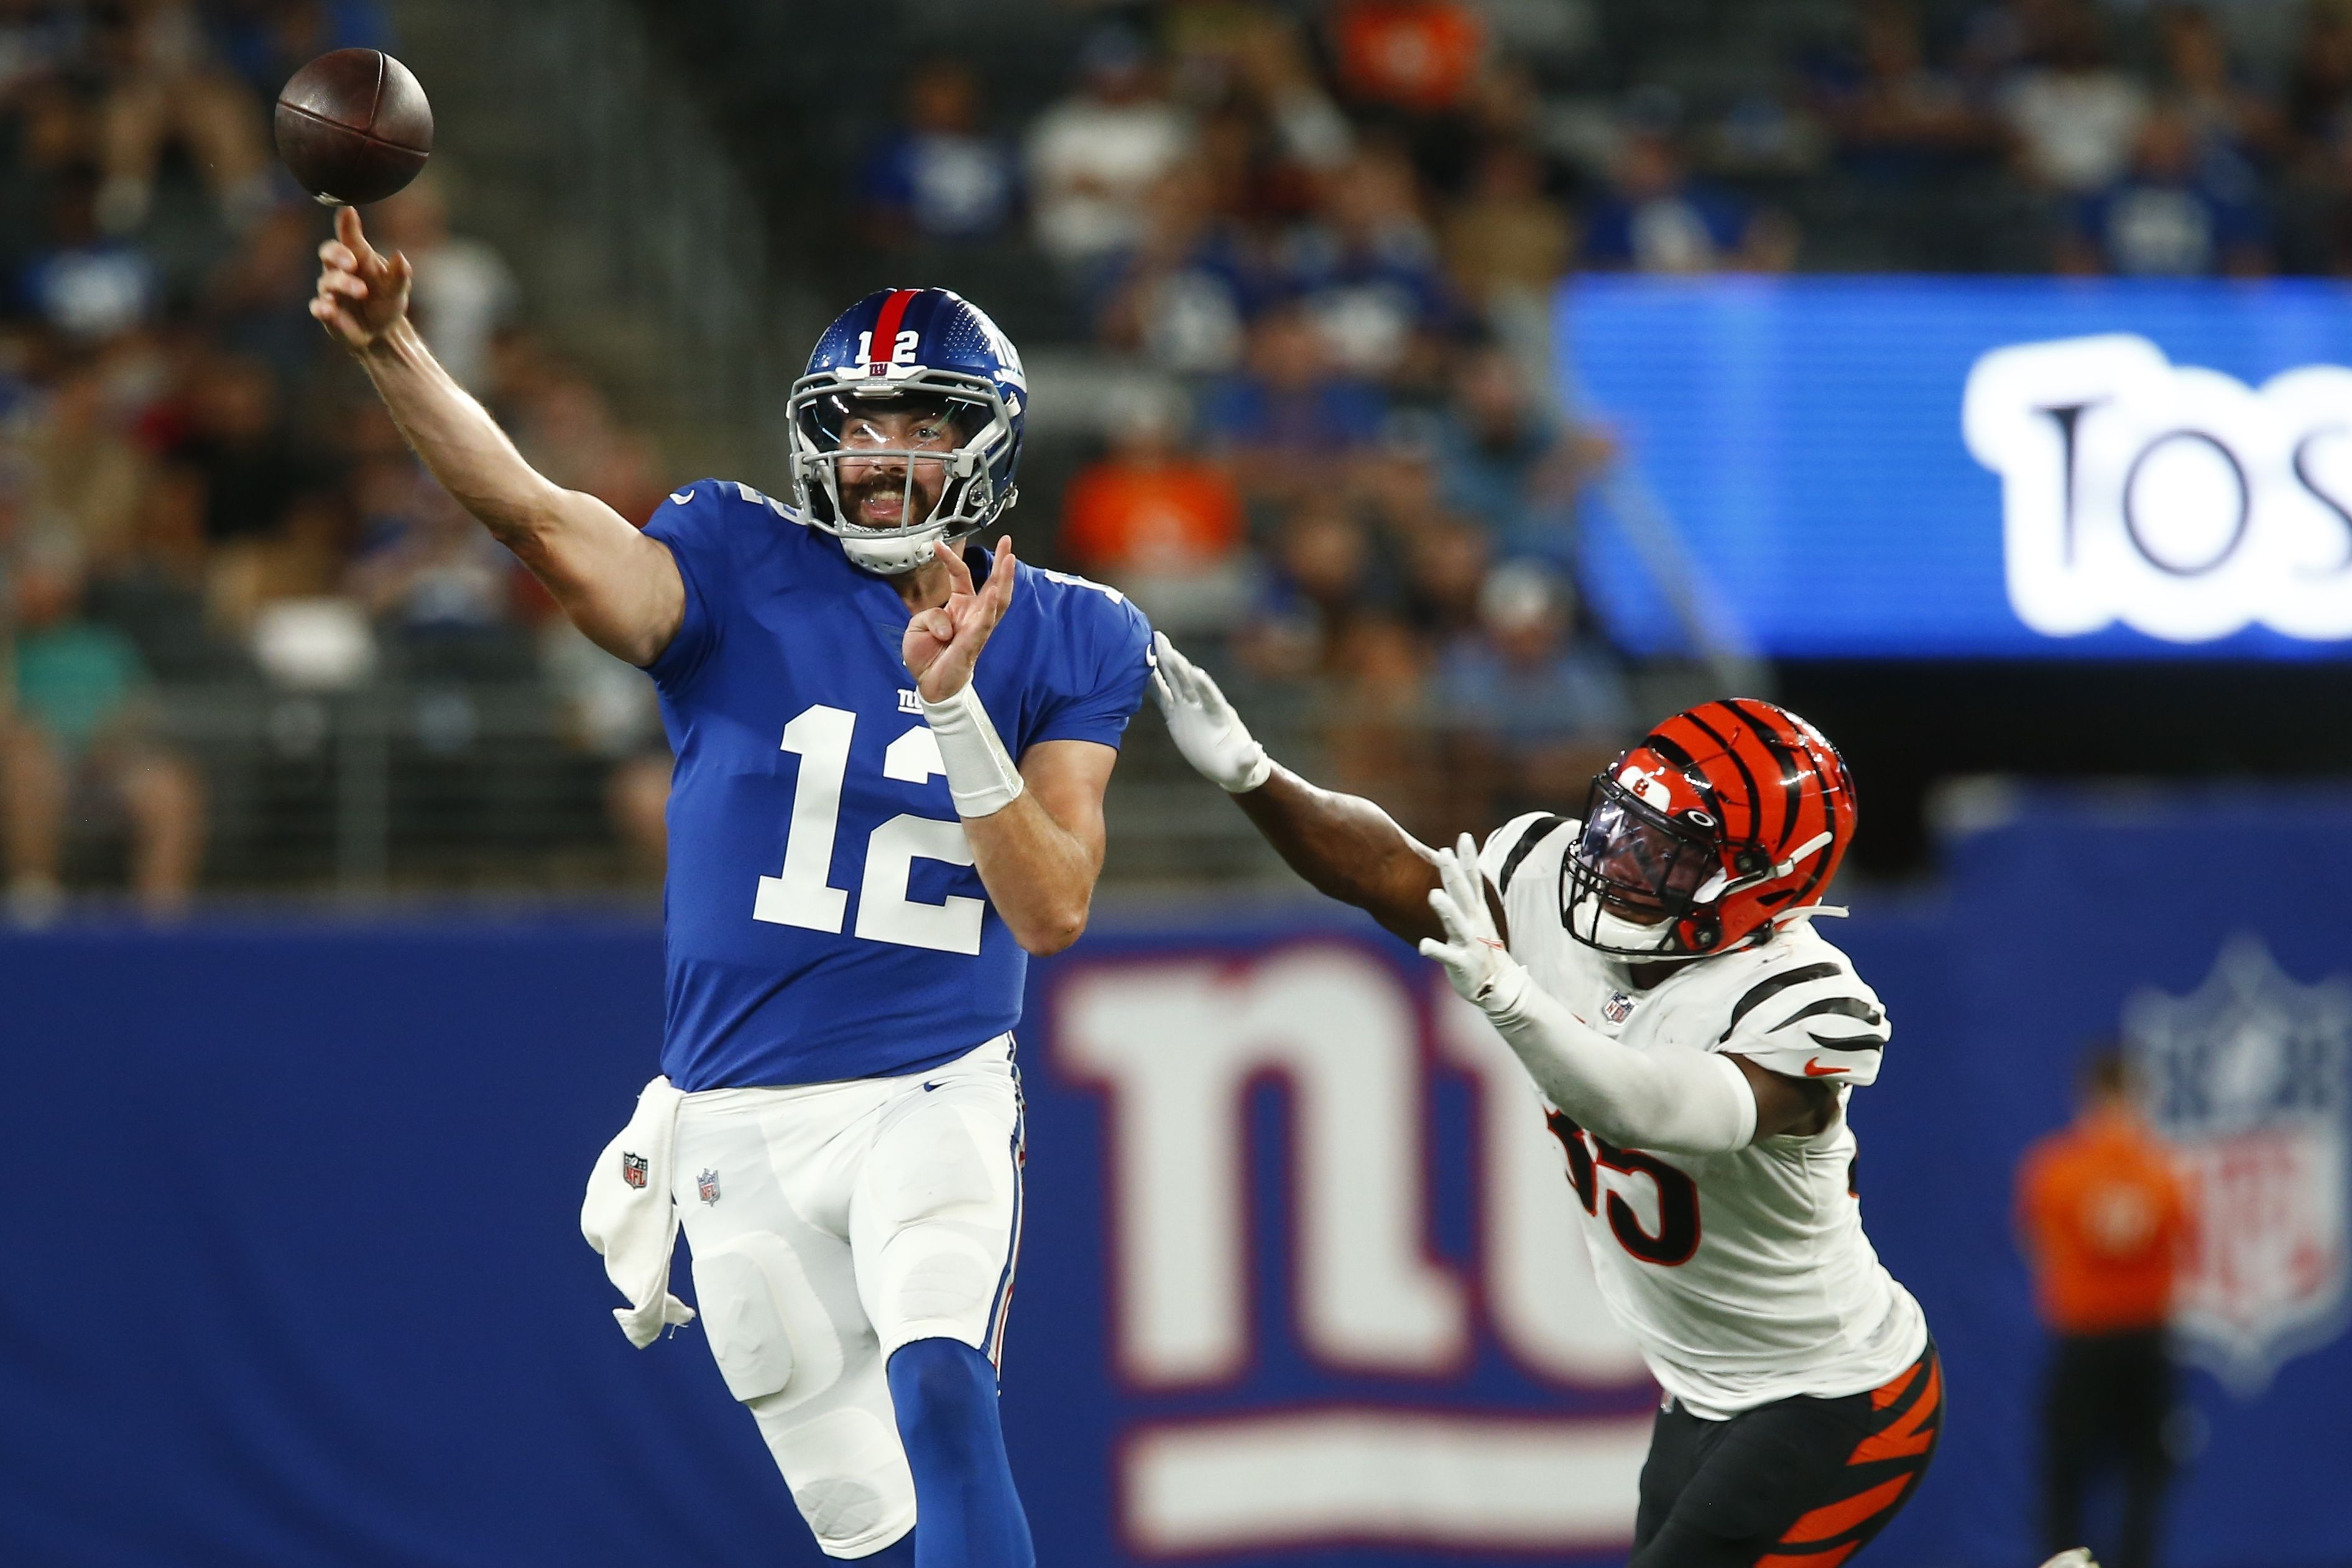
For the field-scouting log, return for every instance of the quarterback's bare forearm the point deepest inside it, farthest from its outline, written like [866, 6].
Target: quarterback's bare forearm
[1347, 848]
[618, 586]
[1040, 855]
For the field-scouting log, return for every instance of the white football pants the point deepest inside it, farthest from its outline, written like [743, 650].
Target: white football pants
[831, 1224]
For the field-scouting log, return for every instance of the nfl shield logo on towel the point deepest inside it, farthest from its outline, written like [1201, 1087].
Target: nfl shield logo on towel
[706, 1184]
[2246, 1076]
[633, 1168]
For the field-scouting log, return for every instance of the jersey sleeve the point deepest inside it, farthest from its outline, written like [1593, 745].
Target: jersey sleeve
[1508, 846]
[1815, 1019]
[692, 523]
[1098, 673]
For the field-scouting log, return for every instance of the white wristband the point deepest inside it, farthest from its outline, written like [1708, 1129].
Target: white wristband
[1260, 770]
[980, 774]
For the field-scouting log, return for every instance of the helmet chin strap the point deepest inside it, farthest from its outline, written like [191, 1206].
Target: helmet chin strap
[1628, 941]
[896, 554]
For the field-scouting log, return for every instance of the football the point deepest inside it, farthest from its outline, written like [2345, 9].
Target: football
[353, 126]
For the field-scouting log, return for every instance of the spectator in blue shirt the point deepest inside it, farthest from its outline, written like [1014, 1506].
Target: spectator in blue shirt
[2174, 215]
[1656, 219]
[939, 176]
[1505, 457]
[1367, 267]
[1288, 419]
[1535, 706]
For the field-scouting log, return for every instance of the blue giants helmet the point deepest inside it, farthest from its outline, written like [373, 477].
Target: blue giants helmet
[922, 352]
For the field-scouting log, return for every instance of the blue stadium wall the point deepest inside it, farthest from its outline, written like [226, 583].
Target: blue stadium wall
[290, 1270]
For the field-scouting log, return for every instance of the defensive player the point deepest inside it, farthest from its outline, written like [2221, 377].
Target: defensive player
[1694, 1042]
[857, 864]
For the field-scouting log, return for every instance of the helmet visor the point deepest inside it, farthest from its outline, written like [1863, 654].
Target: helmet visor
[883, 461]
[1636, 861]
[888, 464]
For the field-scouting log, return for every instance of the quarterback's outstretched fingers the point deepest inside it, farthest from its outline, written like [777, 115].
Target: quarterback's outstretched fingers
[354, 237]
[959, 574]
[998, 595]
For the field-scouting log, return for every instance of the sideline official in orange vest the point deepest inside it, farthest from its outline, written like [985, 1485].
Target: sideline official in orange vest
[2105, 1224]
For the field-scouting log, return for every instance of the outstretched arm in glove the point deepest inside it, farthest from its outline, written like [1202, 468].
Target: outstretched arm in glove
[1346, 847]
[1669, 1097]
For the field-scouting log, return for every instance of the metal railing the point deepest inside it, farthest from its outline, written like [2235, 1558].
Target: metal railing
[439, 787]
[432, 787]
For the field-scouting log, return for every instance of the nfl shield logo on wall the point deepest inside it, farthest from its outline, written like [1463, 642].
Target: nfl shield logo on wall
[706, 1184]
[2247, 1077]
[633, 1168]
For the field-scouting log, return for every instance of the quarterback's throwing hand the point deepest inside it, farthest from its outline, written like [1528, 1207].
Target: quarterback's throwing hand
[1482, 970]
[1203, 724]
[942, 644]
[361, 294]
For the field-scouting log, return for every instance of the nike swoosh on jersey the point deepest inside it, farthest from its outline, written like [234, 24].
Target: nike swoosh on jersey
[682, 496]
[1815, 1070]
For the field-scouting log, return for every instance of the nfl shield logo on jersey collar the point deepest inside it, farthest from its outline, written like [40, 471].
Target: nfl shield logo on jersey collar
[1619, 1006]
[2247, 1077]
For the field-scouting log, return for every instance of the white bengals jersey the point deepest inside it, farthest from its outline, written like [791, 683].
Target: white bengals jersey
[1744, 1278]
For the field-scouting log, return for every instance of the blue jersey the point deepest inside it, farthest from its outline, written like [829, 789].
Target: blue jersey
[822, 917]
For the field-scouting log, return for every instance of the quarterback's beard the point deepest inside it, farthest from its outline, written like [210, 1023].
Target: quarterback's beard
[1589, 918]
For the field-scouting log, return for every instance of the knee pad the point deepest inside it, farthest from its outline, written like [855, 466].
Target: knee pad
[847, 1473]
[769, 1333]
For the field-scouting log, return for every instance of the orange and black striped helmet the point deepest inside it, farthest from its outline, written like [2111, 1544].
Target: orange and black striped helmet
[1719, 822]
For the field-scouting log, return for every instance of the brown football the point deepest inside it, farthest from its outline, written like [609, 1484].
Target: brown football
[353, 126]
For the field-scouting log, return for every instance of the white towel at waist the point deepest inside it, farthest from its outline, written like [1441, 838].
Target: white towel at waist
[628, 1214]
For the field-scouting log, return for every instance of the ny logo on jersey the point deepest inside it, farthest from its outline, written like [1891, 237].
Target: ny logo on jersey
[910, 702]
[2247, 1077]
[1471, 1335]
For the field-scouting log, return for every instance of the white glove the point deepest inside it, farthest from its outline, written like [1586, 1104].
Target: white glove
[1481, 969]
[1206, 728]
[1668, 1097]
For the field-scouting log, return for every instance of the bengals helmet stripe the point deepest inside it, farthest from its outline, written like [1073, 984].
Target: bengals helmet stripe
[1698, 716]
[1718, 824]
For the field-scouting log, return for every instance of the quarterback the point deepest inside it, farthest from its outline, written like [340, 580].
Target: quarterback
[870, 826]
[1655, 968]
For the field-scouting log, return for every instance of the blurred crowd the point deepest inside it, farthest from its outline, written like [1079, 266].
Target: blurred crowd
[1321, 238]
[201, 508]
[1308, 246]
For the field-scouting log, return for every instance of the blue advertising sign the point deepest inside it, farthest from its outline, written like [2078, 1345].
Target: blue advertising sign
[1998, 467]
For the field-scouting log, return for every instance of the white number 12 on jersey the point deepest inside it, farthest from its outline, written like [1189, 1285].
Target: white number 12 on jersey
[800, 896]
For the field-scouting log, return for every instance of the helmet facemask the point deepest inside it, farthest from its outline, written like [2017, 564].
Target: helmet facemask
[841, 457]
[1637, 883]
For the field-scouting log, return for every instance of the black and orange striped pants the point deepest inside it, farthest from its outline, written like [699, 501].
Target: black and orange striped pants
[1799, 1483]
